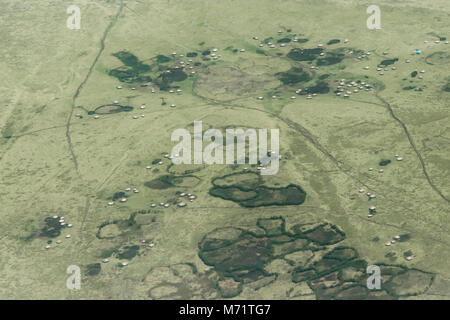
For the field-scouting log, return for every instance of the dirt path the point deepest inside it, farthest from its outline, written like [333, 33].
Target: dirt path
[74, 98]
[80, 87]
[413, 146]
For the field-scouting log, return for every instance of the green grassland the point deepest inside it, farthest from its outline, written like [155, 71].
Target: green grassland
[67, 150]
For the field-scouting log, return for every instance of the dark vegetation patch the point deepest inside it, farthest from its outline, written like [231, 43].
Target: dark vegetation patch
[128, 75]
[384, 162]
[162, 182]
[330, 59]
[392, 256]
[245, 253]
[414, 74]
[294, 75]
[112, 108]
[407, 253]
[261, 196]
[252, 192]
[304, 54]
[398, 281]
[52, 228]
[333, 41]
[162, 58]
[408, 282]
[156, 161]
[239, 256]
[234, 194]
[128, 252]
[323, 234]
[404, 237]
[206, 52]
[446, 88]
[130, 60]
[168, 181]
[174, 75]
[388, 62]
[342, 253]
[128, 230]
[168, 76]
[191, 54]
[284, 40]
[119, 195]
[124, 225]
[93, 269]
[133, 69]
[409, 88]
[320, 87]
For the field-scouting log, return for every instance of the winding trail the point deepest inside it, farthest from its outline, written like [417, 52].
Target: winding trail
[80, 87]
[413, 146]
[74, 98]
